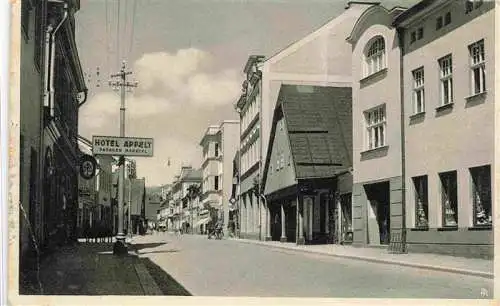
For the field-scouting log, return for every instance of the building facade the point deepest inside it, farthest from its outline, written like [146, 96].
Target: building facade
[448, 93]
[307, 167]
[49, 124]
[377, 195]
[248, 107]
[219, 143]
[180, 211]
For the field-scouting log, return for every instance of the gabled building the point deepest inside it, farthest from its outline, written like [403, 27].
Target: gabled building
[308, 164]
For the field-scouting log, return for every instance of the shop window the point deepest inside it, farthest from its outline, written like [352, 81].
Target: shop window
[481, 195]
[421, 201]
[449, 198]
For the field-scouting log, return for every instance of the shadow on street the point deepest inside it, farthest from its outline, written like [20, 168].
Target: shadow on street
[140, 246]
[92, 269]
[167, 284]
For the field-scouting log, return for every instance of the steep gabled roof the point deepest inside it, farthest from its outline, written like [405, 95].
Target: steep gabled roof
[318, 121]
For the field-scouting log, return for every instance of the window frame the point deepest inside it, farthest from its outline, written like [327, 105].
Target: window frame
[446, 77]
[446, 188]
[421, 184]
[375, 56]
[418, 88]
[475, 172]
[378, 124]
[479, 65]
[439, 22]
[447, 18]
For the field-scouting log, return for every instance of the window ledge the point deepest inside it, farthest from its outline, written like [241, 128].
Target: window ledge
[474, 96]
[417, 115]
[373, 75]
[420, 229]
[375, 150]
[481, 228]
[447, 228]
[443, 107]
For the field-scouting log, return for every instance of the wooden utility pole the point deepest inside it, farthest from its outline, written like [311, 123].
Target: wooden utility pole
[121, 84]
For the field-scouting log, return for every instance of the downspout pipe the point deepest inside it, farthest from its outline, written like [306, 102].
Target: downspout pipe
[400, 33]
[52, 59]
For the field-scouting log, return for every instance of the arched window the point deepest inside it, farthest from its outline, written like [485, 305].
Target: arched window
[375, 56]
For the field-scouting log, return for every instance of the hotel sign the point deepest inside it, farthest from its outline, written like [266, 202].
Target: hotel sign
[122, 146]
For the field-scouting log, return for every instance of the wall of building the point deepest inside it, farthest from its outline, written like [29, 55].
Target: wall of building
[229, 144]
[456, 138]
[368, 93]
[30, 99]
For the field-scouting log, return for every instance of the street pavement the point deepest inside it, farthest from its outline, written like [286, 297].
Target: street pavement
[231, 268]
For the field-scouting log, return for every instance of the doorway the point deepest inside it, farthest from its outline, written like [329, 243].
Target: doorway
[379, 221]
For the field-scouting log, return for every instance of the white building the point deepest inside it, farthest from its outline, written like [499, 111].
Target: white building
[219, 143]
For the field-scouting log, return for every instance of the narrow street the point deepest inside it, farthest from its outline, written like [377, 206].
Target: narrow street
[231, 268]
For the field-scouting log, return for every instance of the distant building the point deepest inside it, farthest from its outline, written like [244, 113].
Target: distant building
[180, 212]
[219, 143]
[153, 203]
[248, 107]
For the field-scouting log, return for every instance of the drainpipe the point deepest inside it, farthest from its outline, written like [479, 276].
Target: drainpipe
[52, 58]
[400, 32]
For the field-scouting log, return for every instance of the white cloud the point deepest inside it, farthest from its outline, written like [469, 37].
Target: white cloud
[177, 94]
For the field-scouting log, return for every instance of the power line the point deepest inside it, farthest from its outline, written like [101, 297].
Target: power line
[133, 26]
[118, 36]
[107, 36]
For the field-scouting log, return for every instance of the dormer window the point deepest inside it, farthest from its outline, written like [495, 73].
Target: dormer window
[375, 56]
[471, 5]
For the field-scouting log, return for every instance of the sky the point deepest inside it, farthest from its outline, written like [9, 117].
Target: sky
[187, 57]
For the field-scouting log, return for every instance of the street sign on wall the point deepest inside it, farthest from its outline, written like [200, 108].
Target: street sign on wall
[126, 146]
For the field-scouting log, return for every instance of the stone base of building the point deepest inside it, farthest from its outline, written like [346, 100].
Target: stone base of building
[468, 251]
[301, 241]
[268, 238]
[283, 239]
[251, 236]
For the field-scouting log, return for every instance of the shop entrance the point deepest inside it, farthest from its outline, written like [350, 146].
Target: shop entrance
[378, 213]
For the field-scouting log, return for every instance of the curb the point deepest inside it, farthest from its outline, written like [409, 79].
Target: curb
[377, 260]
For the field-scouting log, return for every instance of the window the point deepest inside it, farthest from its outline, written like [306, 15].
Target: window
[375, 128]
[39, 27]
[418, 91]
[481, 195]
[375, 56]
[478, 74]
[447, 18]
[439, 22]
[420, 33]
[413, 37]
[449, 198]
[421, 201]
[446, 78]
[25, 16]
[216, 150]
[470, 5]
[216, 182]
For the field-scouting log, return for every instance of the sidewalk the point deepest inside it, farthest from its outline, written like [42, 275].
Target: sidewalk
[90, 269]
[452, 264]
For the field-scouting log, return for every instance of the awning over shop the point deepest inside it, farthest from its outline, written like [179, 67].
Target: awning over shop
[202, 221]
